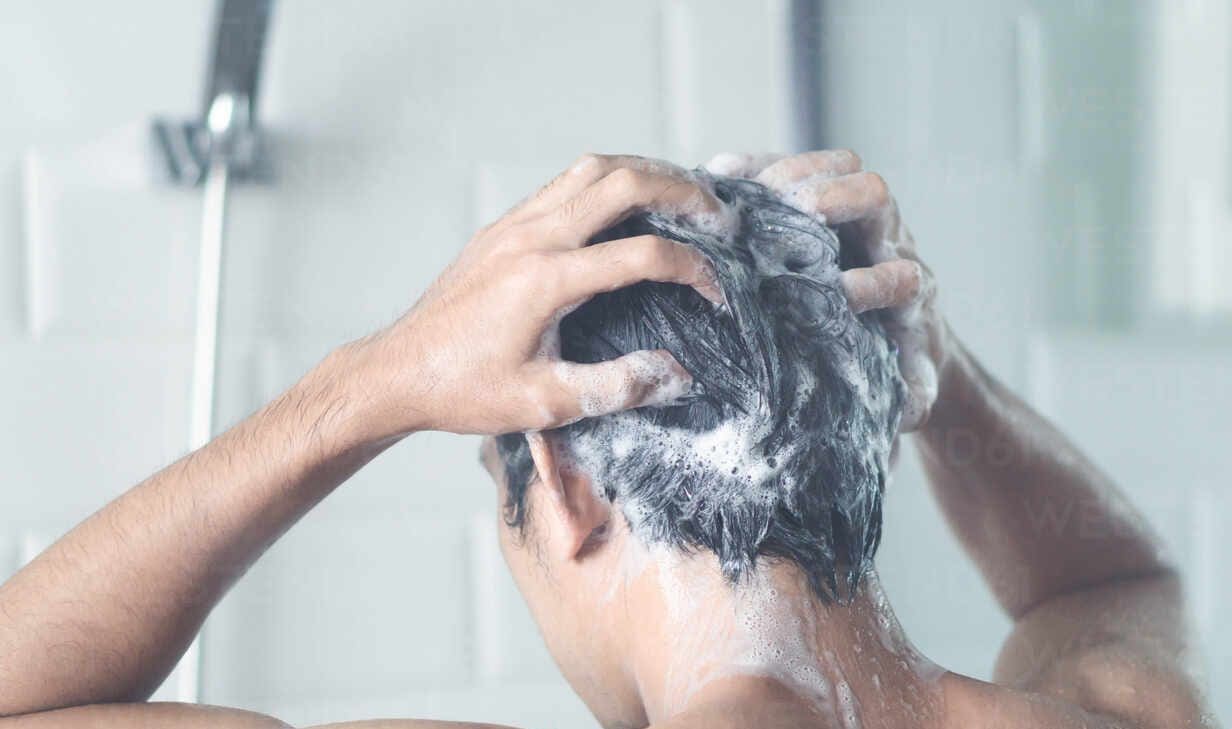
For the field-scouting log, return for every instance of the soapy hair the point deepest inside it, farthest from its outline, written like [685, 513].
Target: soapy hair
[781, 450]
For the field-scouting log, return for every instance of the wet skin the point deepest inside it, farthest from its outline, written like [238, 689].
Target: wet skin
[94, 624]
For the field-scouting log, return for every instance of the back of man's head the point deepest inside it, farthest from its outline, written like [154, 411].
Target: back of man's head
[782, 448]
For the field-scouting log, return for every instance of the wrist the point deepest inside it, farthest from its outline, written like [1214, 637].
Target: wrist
[310, 438]
[377, 400]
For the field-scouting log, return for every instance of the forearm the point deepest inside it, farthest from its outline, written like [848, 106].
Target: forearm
[104, 614]
[195, 716]
[1036, 516]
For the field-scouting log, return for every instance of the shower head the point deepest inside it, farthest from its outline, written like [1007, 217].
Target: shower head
[226, 132]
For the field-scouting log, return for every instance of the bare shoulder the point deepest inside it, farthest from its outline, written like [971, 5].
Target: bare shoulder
[746, 702]
[194, 716]
[408, 724]
[144, 716]
[1110, 656]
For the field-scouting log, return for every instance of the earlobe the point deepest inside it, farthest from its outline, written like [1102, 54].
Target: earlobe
[574, 507]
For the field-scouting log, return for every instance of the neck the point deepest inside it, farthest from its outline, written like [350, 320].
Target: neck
[701, 641]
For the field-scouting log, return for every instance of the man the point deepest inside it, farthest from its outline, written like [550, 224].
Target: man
[648, 634]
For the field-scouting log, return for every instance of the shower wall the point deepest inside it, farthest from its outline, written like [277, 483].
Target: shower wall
[397, 129]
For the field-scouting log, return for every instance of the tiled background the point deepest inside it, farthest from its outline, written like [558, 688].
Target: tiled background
[1010, 131]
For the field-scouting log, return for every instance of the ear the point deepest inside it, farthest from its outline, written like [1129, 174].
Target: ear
[575, 509]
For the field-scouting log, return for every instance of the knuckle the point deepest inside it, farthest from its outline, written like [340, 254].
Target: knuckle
[556, 404]
[587, 162]
[774, 174]
[543, 265]
[554, 278]
[530, 270]
[577, 207]
[849, 156]
[816, 195]
[698, 198]
[878, 188]
[627, 180]
[683, 195]
[519, 236]
[541, 410]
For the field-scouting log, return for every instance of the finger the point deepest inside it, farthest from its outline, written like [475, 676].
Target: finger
[584, 172]
[889, 284]
[920, 375]
[843, 199]
[622, 193]
[740, 164]
[619, 263]
[638, 379]
[826, 163]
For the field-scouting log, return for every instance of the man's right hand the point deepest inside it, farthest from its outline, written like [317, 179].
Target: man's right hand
[479, 353]
[1096, 604]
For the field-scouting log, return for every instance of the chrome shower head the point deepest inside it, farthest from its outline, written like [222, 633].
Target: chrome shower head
[226, 131]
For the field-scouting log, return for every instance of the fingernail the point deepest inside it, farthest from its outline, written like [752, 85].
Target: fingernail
[709, 287]
[671, 382]
[669, 392]
[714, 294]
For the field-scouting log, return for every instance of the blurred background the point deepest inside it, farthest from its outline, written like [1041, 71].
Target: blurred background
[1065, 167]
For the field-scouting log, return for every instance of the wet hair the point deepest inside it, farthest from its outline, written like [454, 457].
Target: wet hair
[781, 450]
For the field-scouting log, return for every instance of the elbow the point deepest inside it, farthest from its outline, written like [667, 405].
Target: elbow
[1163, 580]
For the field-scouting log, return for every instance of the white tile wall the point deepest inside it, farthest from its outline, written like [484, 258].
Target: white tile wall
[84, 419]
[723, 77]
[397, 128]
[347, 607]
[106, 250]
